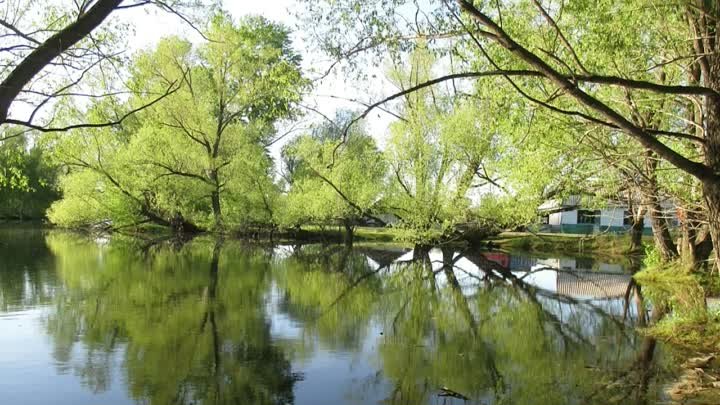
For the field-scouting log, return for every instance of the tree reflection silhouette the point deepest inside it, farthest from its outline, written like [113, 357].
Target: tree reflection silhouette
[191, 323]
[189, 336]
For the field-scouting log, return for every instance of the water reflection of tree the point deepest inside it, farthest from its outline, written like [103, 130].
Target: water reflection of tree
[318, 291]
[190, 322]
[26, 276]
[503, 343]
[192, 325]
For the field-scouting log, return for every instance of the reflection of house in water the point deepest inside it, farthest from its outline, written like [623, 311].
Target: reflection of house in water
[576, 278]
[592, 285]
[381, 257]
[520, 262]
[580, 264]
[500, 258]
[579, 285]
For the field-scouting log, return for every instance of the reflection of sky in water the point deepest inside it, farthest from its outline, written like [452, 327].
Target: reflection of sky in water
[329, 376]
[31, 375]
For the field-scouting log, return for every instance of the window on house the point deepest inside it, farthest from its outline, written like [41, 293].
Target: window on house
[588, 217]
[628, 218]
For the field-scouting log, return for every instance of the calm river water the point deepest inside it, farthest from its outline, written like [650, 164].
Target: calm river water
[112, 321]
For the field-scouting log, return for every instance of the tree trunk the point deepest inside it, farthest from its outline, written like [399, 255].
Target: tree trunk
[712, 201]
[695, 245]
[636, 231]
[177, 222]
[711, 189]
[214, 177]
[349, 235]
[217, 213]
[701, 250]
[661, 233]
[651, 200]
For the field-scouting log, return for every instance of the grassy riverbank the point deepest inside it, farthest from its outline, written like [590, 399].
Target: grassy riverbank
[693, 316]
[605, 244]
[691, 325]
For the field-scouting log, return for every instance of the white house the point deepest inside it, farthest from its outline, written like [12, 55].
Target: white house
[568, 215]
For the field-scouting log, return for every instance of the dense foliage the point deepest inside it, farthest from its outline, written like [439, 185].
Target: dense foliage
[198, 160]
[27, 180]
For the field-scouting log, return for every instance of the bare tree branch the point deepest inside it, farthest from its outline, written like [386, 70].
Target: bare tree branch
[53, 47]
[172, 89]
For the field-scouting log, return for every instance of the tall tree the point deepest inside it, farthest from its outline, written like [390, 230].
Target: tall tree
[204, 147]
[331, 184]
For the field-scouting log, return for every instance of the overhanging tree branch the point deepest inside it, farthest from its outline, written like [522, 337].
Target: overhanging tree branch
[53, 47]
[571, 88]
[531, 73]
[171, 89]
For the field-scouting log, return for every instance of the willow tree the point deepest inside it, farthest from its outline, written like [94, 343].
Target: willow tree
[215, 130]
[450, 154]
[334, 183]
[204, 148]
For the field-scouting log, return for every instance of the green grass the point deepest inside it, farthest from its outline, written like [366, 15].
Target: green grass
[689, 323]
[699, 333]
[362, 234]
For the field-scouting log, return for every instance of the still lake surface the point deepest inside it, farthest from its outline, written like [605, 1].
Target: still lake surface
[114, 321]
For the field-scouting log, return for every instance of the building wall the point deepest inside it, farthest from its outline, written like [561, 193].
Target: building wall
[610, 219]
[563, 218]
[669, 214]
[555, 218]
[569, 217]
[612, 216]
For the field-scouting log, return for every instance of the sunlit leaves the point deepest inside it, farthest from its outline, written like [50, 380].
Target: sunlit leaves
[200, 154]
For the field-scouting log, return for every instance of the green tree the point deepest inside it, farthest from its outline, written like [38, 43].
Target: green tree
[563, 60]
[445, 157]
[333, 181]
[185, 158]
[27, 180]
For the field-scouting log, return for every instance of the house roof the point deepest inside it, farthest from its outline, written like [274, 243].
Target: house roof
[560, 204]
